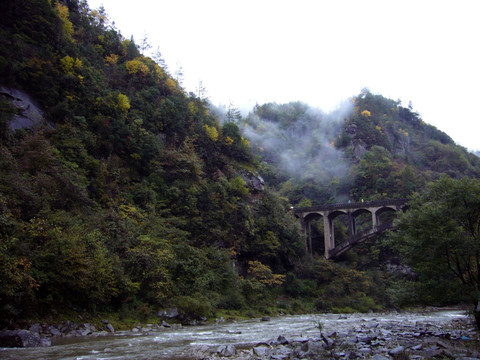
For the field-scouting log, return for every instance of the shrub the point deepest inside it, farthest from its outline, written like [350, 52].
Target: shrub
[193, 307]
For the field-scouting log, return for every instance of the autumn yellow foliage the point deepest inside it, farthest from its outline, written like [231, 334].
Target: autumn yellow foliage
[111, 59]
[229, 141]
[366, 113]
[62, 12]
[123, 102]
[69, 64]
[211, 132]
[263, 274]
[136, 66]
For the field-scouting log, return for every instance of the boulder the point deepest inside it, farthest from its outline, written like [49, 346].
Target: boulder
[22, 338]
[311, 347]
[282, 340]
[110, 328]
[328, 343]
[261, 351]
[54, 331]
[226, 350]
[397, 351]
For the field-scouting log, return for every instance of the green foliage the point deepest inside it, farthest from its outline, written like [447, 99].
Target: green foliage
[134, 197]
[439, 237]
[194, 307]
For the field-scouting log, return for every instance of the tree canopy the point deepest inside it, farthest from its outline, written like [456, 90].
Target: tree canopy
[439, 237]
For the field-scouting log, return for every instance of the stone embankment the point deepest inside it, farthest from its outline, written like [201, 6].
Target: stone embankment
[367, 339]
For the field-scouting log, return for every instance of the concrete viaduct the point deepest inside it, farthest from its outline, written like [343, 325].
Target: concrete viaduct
[352, 211]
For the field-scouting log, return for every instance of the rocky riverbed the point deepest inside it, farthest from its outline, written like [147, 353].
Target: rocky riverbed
[391, 336]
[436, 333]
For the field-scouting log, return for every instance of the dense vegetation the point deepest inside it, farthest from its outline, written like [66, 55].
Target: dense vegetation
[136, 196]
[439, 237]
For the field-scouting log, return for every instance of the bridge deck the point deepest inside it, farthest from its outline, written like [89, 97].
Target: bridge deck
[354, 205]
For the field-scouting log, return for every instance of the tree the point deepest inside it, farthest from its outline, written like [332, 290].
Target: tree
[233, 114]
[440, 234]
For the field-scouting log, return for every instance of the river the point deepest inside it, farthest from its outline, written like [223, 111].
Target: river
[174, 343]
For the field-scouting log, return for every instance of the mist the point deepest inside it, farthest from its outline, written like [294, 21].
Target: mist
[298, 139]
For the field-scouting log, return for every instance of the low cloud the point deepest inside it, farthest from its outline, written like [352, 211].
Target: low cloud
[299, 139]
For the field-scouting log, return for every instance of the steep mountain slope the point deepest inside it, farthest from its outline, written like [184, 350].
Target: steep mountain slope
[129, 194]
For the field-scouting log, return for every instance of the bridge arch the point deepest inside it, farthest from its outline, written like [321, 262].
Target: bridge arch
[314, 233]
[353, 211]
[362, 220]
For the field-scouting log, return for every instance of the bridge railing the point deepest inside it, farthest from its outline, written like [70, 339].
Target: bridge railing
[351, 205]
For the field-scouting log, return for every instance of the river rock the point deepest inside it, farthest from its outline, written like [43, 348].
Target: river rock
[227, 350]
[36, 328]
[261, 351]
[110, 328]
[199, 351]
[265, 318]
[417, 347]
[379, 357]
[22, 338]
[282, 340]
[365, 351]
[84, 332]
[328, 343]
[396, 351]
[279, 356]
[311, 347]
[54, 331]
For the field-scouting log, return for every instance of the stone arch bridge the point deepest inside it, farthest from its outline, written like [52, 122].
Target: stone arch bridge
[352, 211]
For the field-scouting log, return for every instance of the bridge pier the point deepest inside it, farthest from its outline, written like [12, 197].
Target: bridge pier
[375, 219]
[328, 235]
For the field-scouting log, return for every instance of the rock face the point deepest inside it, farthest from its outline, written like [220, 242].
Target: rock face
[253, 181]
[29, 114]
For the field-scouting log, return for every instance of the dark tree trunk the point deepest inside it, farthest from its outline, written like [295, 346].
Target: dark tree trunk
[476, 313]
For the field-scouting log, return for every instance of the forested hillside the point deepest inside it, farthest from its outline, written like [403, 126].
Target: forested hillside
[370, 148]
[121, 192]
[132, 195]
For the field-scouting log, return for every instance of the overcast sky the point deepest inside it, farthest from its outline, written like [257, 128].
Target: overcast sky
[321, 52]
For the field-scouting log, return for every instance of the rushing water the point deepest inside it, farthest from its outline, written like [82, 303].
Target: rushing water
[172, 343]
